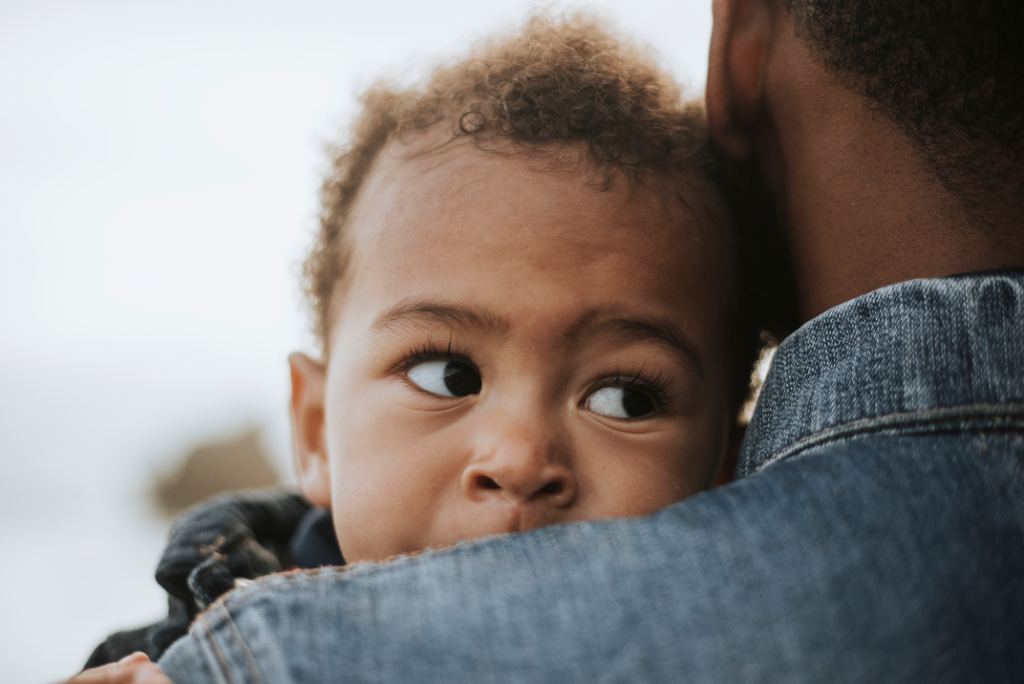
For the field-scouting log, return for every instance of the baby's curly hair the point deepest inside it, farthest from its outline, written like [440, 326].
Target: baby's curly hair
[557, 82]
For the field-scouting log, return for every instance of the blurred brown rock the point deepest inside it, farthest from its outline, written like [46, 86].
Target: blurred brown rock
[237, 463]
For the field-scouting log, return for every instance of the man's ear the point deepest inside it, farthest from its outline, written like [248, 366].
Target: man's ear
[740, 38]
[312, 466]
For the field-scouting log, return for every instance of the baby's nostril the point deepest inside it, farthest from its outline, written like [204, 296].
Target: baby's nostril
[552, 488]
[485, 482]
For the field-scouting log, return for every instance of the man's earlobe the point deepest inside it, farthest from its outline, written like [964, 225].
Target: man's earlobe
[312, 465]
[740, 38]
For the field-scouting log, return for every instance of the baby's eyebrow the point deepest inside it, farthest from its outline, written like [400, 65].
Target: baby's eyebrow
[468, 317]
[647, 330]
[434, 312]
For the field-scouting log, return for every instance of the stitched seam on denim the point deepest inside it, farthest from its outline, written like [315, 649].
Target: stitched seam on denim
[224, 670]
[1003, 416]
[250, 660]
[274, 581]
[273, 584]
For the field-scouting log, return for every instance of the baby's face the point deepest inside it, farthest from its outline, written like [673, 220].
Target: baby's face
[513, 348]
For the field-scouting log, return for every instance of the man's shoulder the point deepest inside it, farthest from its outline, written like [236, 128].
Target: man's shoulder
[862, 558]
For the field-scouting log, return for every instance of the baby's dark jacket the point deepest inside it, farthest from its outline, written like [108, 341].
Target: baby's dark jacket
[242, 535]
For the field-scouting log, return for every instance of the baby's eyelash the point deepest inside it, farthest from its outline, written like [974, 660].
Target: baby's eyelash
[430, 351]
[657, 386]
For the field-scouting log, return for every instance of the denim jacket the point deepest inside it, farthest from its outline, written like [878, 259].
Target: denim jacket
[876, 534]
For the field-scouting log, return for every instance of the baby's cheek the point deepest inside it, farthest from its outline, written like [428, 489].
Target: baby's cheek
[359, 535]
[396, 493]
[369, 505]
[648, 495]
[628, 479]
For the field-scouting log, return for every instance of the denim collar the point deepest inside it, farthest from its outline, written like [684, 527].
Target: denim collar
[915, 353]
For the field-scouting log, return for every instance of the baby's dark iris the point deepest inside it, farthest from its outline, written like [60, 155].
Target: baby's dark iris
[636, 404]
[461, 379]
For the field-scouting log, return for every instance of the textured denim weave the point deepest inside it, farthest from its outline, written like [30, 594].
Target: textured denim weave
[921, 355]
[878, 535]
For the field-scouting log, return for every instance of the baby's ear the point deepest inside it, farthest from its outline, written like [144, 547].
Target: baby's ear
[312, 466]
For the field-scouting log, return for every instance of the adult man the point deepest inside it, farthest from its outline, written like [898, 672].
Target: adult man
[877, 529]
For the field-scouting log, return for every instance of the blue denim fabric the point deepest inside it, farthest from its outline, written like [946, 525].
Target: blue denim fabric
[877, 534]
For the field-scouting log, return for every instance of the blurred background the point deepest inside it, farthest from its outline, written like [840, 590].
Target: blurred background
[159, 167]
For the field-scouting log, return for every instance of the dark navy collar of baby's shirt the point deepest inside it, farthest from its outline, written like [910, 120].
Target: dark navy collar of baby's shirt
[911, 357]
[314, 543]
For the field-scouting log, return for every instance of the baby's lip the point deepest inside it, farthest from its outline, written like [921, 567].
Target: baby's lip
[479, 522]
[522, 516]
[495, 515]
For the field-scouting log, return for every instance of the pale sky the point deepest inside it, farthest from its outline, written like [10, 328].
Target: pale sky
[159, 166]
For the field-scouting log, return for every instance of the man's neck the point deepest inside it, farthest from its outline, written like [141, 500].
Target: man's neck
[863, 210]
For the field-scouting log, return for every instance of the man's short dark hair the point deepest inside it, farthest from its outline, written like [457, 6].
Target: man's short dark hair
[950, 72]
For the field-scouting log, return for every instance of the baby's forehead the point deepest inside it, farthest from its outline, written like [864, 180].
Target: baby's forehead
[455, 221]
[438, 171]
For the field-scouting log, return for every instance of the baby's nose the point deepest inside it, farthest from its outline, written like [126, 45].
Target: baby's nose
[521, 473]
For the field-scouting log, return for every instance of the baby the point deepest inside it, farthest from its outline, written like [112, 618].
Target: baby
[529, 299]
[526, 293]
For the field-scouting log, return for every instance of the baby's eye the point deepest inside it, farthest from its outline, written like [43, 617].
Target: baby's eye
[446, 378]
[620, 402]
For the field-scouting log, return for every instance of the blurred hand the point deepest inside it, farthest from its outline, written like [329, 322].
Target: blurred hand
[135, 669]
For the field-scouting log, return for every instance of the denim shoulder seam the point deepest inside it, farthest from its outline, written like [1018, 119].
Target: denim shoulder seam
[209, 638]
[262, 585]
[250, 660]
[991, 416]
